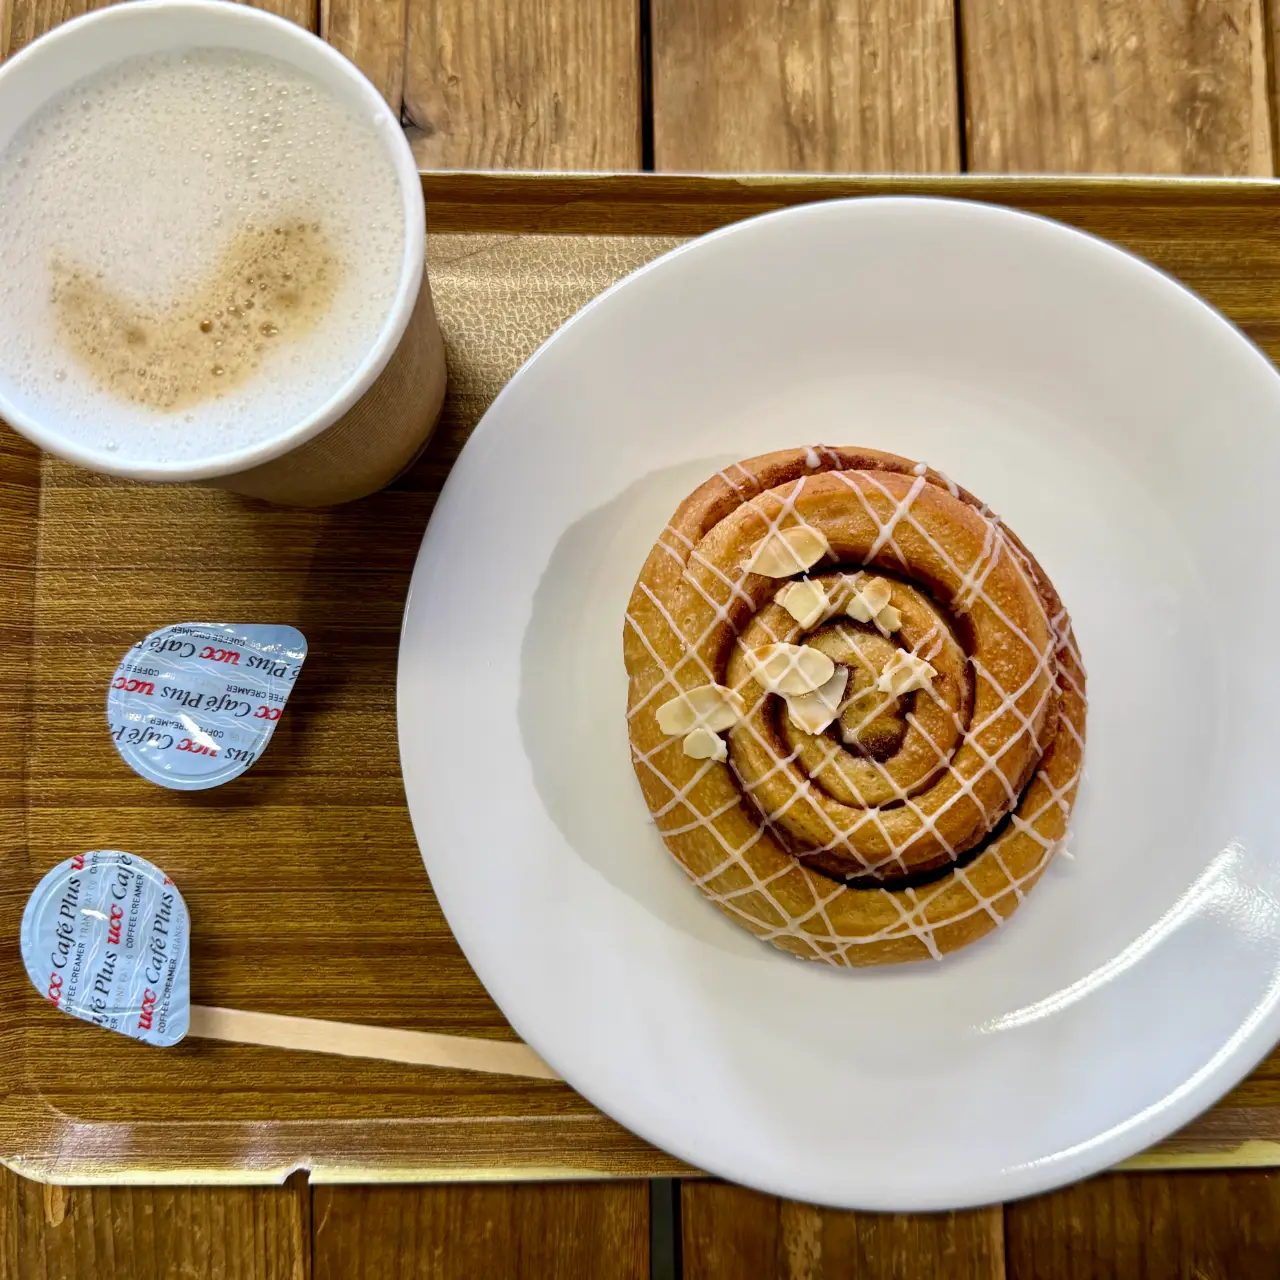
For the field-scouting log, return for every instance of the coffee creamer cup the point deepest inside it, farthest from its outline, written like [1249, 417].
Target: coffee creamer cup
[106, 937]
[195, 704]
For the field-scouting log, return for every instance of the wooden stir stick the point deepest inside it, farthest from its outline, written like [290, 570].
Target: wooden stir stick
[354, 1040]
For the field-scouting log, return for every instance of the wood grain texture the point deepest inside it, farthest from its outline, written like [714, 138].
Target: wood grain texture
[155, 1233]
[306, 13]
[758, 85]
[10, 1243]
[372, 34]
[535, 1232]
[1114, 86]
[730, 1232]
[1182, 1226]
[1271, 55]
[21, 21]
[19, 516]
[523, 84]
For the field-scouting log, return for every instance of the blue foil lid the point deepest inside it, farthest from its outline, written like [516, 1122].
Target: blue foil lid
[106, 937]
[195, 704]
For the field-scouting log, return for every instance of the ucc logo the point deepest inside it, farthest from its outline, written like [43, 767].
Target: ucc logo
[113, 925]
[196, 749]
[149, 999]
[267, 713]
[55, 987]
[134, 686]
[221, 655]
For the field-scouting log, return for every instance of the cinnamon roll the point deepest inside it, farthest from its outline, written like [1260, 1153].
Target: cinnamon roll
[857, 709]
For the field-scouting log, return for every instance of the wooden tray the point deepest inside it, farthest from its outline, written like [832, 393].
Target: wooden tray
[306, 891]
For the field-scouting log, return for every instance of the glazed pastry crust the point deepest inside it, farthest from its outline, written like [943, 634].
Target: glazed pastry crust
[916, 823]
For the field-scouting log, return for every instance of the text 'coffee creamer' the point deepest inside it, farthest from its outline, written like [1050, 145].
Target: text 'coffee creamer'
[198, 250]
[106, 937]
[195, 704]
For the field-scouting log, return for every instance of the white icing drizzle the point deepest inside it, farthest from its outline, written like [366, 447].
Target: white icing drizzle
[924, 469]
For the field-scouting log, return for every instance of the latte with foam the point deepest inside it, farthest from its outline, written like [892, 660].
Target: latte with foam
[271, 287]
[197, 251]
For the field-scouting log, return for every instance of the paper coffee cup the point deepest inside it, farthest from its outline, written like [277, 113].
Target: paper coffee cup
[375, 424]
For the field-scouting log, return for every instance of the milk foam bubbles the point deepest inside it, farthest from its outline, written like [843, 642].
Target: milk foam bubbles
[140, 185]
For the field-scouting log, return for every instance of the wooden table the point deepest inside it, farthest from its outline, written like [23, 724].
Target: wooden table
[1124, 86]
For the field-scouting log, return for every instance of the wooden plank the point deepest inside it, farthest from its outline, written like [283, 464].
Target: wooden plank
[1113, 86]
[460, 1232]
[521, 84]
[21, 21]
[304, 12]
[730, 1232]
[372, 34]
[1198, 1226]
[10, 1248]
[1271, 71]
[753, 85]
[153, 1233]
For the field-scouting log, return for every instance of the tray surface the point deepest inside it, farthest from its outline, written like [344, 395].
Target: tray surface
[305, 887]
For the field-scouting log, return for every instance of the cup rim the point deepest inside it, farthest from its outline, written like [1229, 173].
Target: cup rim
[412, 266]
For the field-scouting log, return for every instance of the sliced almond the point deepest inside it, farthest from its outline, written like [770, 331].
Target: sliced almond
[905, 672]
[806, 602]
[870, 596]
[790, 668]
[783, 552]
[702, 744]
[711, 705]
[889, 618]
[813, 712]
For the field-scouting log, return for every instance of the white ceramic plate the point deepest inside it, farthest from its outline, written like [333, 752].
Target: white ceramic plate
[1130, 436]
